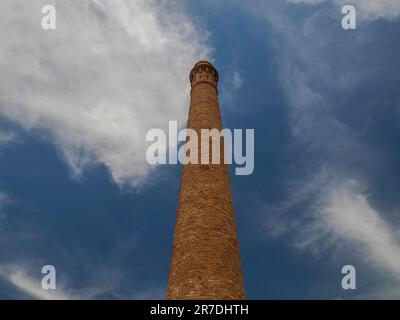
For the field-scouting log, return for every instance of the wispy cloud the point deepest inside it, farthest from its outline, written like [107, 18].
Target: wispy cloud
[109, 72]
[237, 80]
[5, 201]
[328, 207]
[340, 214]
[345, 213]
[6, 137]
[18, 277]
[22, 280]
[335, 213]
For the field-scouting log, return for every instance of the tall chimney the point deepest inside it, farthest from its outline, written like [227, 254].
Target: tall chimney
[205, 261]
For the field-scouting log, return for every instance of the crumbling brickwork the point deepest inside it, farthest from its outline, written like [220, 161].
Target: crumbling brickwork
[205, 262]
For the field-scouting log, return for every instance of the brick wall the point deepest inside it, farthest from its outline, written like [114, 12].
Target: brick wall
[205, 262]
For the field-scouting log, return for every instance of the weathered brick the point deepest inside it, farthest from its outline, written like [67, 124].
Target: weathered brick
[205, 261]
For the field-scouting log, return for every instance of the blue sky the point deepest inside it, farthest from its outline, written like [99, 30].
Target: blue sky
[76, 102]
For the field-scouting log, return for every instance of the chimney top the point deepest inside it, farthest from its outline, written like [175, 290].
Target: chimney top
[203, 62]
[206, 67]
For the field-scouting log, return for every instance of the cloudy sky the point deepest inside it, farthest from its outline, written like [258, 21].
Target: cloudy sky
[76, 103]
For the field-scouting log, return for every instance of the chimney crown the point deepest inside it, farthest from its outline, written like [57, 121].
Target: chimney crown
[204, 72]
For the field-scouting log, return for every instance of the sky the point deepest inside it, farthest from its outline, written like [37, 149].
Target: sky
[77, 193]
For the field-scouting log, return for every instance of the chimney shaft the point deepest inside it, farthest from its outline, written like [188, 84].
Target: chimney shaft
[205, 262]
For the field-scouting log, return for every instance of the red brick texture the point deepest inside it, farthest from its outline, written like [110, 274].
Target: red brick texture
[205, 262]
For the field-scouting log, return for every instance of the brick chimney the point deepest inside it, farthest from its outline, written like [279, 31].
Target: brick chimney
[205, 261]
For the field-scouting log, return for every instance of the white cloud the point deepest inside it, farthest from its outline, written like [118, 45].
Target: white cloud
[328, 208]
[109, 72]
[237, 80]
[6, 137]
[31, 286]
[368, 9]
[5, 200]
[339, 217]
[19, 277]
[344, 213]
